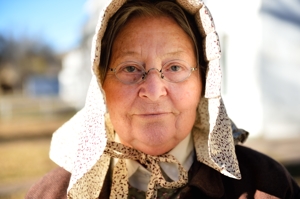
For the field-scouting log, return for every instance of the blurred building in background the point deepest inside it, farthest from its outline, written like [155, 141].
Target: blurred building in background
[27, 66]
[279, 67]
[75, 76]
[261, 64]
[239, 27]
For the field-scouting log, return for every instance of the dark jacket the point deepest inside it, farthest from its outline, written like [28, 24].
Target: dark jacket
[262, 178]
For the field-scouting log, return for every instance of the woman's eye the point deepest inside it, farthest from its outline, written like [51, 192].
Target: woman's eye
[175, 68]
[130, 69]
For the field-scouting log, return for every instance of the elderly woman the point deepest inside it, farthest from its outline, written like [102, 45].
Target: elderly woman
[154, 124]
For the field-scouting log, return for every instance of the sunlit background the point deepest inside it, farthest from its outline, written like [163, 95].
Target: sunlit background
[45, 72]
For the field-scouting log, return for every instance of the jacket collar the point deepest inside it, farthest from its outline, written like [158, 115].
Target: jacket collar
[201, 176]
[206, 179]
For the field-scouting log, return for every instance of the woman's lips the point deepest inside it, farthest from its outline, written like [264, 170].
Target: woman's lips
[156, 114]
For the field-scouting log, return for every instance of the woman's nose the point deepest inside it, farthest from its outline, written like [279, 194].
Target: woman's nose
[153, 87]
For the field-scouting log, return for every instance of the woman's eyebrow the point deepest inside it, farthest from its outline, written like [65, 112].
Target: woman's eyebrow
[130, 53]
[175, 52]
[125, 54]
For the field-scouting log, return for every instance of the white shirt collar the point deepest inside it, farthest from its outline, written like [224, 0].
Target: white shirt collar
[139, 176]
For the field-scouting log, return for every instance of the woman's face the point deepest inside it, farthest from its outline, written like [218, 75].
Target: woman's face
[154, 115]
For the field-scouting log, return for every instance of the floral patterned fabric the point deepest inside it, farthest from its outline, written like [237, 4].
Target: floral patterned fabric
[81, 145]
[157, 180]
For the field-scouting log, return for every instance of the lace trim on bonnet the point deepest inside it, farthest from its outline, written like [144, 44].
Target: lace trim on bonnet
[79, 144]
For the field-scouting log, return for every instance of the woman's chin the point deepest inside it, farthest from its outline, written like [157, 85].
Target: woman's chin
[155, 151]
[155, 146]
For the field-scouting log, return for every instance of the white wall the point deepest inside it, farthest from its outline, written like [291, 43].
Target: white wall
[74, 77]
[239, 28]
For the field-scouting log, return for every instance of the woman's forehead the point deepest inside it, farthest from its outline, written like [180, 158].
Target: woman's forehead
[159, 34]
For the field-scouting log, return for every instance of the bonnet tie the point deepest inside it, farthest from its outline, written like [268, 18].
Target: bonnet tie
[119, 187]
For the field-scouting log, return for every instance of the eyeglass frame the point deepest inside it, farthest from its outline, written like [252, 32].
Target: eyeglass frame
[145, 73]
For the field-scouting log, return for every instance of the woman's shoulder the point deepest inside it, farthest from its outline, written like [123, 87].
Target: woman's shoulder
[254, 160]
[265, 174]
[52, 185]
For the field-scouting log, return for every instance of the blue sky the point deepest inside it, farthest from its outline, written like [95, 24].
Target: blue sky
[58, 22]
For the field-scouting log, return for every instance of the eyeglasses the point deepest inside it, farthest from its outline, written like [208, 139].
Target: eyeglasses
[131, 72]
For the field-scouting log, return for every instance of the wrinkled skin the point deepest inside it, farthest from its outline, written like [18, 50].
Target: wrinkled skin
[152, 116]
